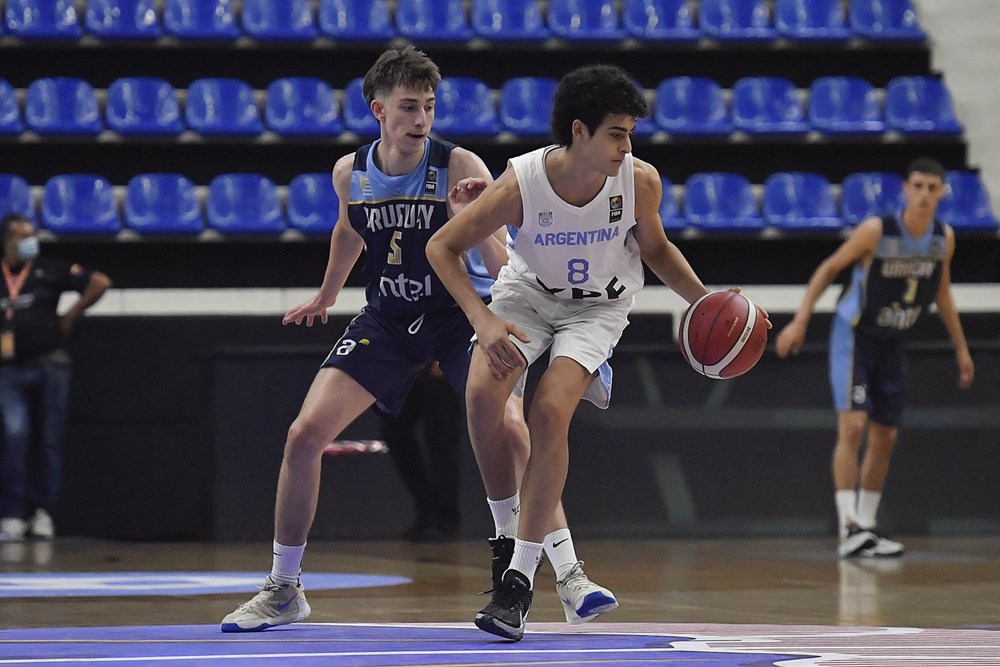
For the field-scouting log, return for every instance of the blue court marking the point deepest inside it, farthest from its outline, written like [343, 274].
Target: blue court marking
[361, 646]
[69, 584]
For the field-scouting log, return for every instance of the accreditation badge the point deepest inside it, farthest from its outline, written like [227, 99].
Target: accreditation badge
[7, 344]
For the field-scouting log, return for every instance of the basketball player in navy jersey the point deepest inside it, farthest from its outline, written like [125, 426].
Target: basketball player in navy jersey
[901, 265]
[587, 215]
[394, 194]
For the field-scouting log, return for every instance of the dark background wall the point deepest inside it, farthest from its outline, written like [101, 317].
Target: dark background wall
[178, 424]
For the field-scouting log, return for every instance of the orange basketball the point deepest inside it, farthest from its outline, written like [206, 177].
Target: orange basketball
[722, 335]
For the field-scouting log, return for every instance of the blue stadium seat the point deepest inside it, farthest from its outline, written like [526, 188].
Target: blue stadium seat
[721, 202]
[123, 19]
[798, 201]
[768, 105]
[80, 204]
[279, 20]
[736, 19]
[244, 204]
[691, 106]
[222, 106]
[10, 112]
[864, 194]
[358, 117]
[660, 20]
[42, 19]
[670, 214]
[509, 20]
[143, 106]
[920, 105]
[442, 20]
[815, 20]
[526, 105]
[844, 105]
[885, 19]
[585, 20]
[313, 206]
[162, 204]
[356, 20]
[200, 19]
[966, 205]
[302, 106]
[61, 105]
[464, 106]
[15, 196]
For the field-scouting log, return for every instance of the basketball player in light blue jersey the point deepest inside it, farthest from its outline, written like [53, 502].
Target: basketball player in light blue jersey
[586, 214]
[394, 193]
[901, 265]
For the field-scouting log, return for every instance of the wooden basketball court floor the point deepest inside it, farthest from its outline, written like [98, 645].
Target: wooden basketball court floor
[683, 602]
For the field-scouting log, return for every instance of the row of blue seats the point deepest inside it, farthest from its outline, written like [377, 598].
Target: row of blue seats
[251, 203]
[801, 201]
[460, 20]
[468, 107]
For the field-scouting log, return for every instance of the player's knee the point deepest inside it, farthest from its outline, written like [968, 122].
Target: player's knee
[548, 416]
[304, 440]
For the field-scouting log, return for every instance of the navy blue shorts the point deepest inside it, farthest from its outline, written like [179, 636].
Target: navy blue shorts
[867, 373]
[385, 355]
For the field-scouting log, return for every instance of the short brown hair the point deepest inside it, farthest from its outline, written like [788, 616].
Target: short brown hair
[405, 67]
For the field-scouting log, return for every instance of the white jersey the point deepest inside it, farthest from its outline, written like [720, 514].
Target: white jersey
[575, 252]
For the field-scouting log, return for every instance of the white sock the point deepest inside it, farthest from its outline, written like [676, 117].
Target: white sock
[847, 502]
[505, 514]
[287, 563]
[868, 507]
[525, 559]
[559, 549]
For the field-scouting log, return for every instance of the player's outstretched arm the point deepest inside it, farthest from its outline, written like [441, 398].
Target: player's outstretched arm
[468, 177]
[861, 243]
[498, 206]
[658, 253]
[949, 316]
[345, 248]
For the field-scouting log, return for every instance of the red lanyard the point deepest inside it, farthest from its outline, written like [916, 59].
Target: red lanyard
[14, 285]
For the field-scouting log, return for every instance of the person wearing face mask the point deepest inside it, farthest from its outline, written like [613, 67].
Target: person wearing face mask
[34, 375]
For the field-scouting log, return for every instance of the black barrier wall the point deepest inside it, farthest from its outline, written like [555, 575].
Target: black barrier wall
[177, 427]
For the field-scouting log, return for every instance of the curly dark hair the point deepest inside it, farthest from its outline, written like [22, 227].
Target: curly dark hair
[592, 93]
[405, 67]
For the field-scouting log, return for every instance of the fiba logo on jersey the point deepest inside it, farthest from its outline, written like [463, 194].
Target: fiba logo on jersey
[615, 204]
[544, 218]
[430, 185]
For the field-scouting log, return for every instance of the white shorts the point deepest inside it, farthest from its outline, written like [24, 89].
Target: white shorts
[585, 331]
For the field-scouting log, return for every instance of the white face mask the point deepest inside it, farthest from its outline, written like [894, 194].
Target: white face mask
[28, 248]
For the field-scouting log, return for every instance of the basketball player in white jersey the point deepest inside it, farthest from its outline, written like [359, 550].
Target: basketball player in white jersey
[586, 215]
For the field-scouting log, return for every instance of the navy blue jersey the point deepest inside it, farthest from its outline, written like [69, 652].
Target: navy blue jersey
[890, 296]
[396, 215]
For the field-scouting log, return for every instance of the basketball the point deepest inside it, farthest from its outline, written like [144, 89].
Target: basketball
[722, 335]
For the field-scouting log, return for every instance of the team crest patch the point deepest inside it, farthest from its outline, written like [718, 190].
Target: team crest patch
[615, 204]
[544, 218]
[430, 183]
[366, 186]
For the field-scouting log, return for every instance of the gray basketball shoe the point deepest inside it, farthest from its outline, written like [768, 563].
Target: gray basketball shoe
[582, 599]
[276, 604]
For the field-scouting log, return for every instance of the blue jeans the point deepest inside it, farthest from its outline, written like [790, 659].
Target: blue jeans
[34, 399]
